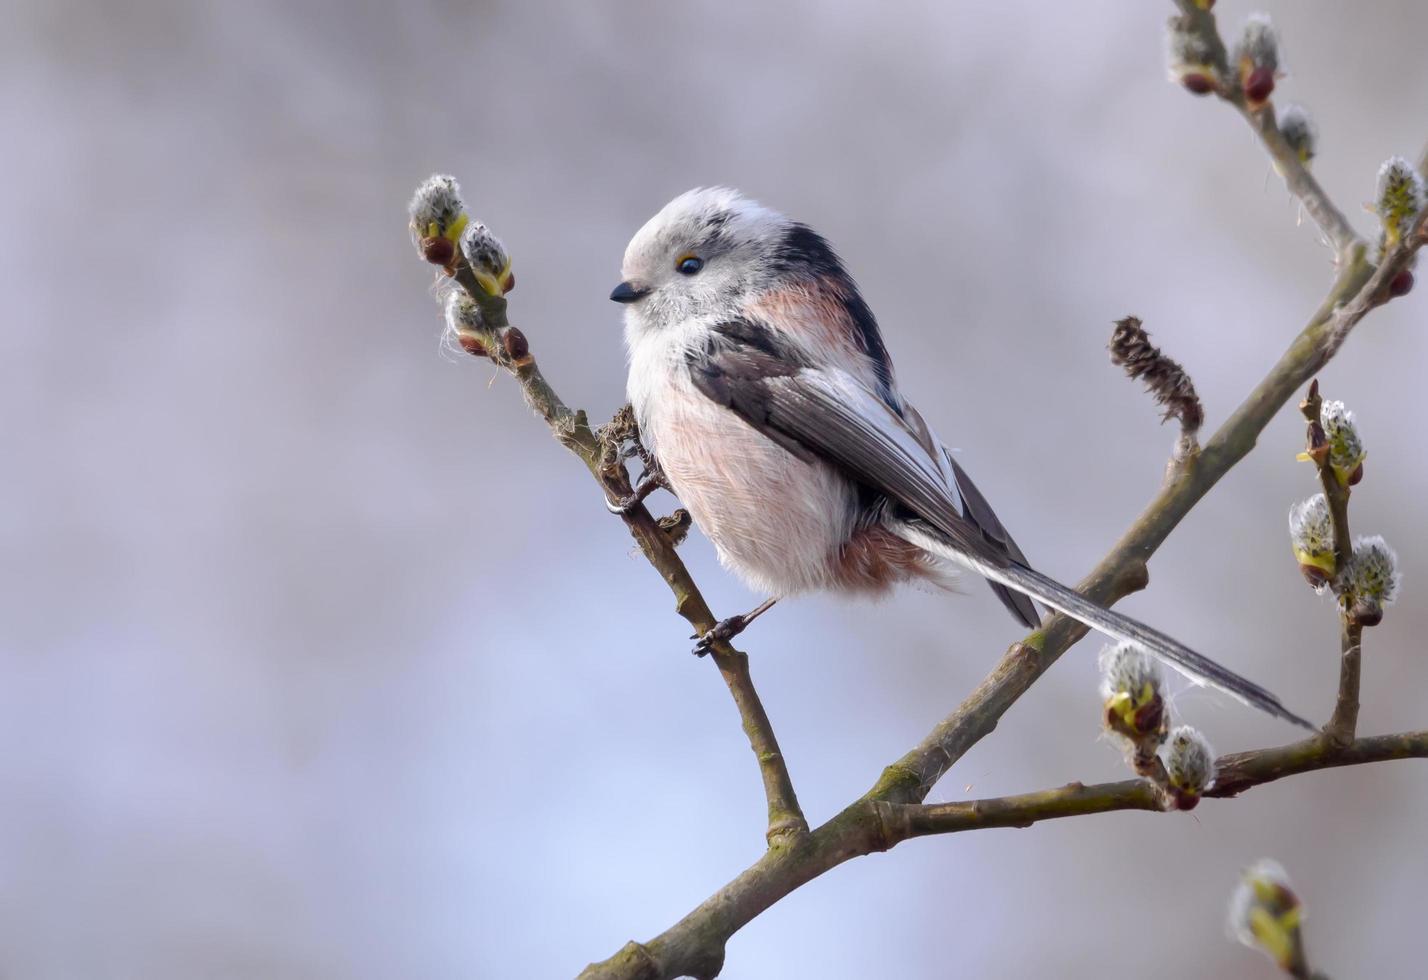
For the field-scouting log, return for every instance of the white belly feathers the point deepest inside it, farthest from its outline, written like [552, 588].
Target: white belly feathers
[747, 494]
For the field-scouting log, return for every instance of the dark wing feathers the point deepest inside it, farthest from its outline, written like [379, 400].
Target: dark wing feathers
[974, 508]
[838, 419]
[980, 513]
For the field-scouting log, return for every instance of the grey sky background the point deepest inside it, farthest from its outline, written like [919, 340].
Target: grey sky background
[321, 660]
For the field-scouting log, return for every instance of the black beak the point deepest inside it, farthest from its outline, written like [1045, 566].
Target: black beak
[627, 293]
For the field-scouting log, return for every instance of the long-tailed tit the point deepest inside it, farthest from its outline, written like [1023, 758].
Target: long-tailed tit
[761, 383]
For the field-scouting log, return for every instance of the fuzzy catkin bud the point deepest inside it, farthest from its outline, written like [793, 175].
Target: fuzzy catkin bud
[462, 313]
[1190, 58]
[1265, 914]
[1373, 570]
[1127, 669]
[438, 216]
[1399, 198]
[488, 259]
[1346, 448]
[1257, 59]
[465, 324]
[1311, 535]
[1189, 766]
[1299, 131]
[1134, 707]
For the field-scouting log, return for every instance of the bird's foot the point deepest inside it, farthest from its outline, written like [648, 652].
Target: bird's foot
[727, 629]
[629, 502]
[724, 630]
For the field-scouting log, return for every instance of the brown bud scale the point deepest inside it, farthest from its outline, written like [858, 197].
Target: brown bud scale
[1197, 84]
[1259, 86]
[1366, 612]
[1147, 717]
[515, 343]
[1184, 800]
[473, 345]
[1401, 284]
[438, 251]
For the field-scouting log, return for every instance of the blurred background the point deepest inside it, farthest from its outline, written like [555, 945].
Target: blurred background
[321, 660]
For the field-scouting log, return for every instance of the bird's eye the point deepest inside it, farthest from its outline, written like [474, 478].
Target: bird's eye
[688, 265]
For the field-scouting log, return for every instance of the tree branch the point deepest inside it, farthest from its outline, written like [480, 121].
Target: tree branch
[1344, 722]
[1237, 773]
[1240, 771]
[1301, 183]
[572, 430]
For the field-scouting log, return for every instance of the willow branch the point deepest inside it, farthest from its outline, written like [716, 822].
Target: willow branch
[1301, 183]
[1344, 721]
[1237, 773]
[1336, 491]
[573, 431]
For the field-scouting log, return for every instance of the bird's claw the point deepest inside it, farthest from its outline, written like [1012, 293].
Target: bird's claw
[629, 502]
[623, 506]
[724, 630]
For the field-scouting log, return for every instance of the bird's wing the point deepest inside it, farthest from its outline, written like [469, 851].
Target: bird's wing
[826, 413]
[819, 412]
[974, 508]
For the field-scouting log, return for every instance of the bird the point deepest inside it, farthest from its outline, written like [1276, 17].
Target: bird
[763, 390]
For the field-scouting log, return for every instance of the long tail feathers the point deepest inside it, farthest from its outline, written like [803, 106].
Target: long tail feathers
[1053, 594]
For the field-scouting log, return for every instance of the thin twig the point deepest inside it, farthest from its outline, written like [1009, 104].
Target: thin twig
[1344, 722]
[572, 430]
[1336, 491]
[1240, 772]
[1301, 183]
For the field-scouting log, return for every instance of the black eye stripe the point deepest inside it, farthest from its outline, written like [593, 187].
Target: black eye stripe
[689, 265]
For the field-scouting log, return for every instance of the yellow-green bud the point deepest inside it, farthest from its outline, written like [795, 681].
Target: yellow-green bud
[1373, 579]
[488, 259]
[1133, 706]
[1265, 914]
[1399, 198]
[438, 216]
[1346, 448]
[1190, 58]
[1311, 535]
[1299, 131]
[1256, 58]
[1189, 766]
